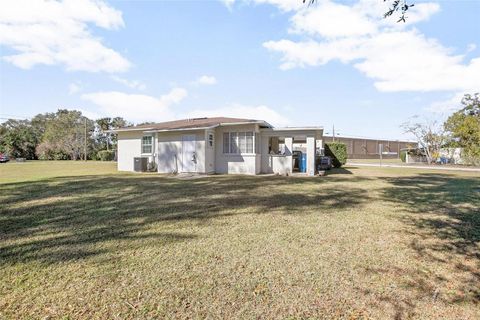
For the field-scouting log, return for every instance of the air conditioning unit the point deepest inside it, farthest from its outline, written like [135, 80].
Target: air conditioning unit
[140, 164]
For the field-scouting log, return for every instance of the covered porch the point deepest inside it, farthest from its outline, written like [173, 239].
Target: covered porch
[282, 149]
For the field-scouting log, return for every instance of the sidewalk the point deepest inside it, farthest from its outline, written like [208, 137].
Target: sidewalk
[386, 165]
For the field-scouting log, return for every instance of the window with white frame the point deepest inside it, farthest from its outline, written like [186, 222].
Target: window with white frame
[238, 142]
[147, 144]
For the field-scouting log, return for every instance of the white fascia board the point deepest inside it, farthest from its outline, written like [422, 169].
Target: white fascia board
[297, 128]
[127, 130]
[181, 129]
[245, 123]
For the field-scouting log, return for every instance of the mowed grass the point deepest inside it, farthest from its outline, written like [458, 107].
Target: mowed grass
[376, 161]
[82, 241]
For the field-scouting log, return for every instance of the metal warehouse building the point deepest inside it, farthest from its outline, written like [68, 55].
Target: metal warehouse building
[367, 148]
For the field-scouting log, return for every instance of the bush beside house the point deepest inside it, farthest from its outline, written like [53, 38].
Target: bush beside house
[338, 152]
[106, 155]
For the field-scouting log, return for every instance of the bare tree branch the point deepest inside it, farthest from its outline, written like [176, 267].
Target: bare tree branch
[397, 6]
[430, 135]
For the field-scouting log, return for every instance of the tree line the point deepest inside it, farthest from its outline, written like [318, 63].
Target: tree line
[60, 135]
[460, 130]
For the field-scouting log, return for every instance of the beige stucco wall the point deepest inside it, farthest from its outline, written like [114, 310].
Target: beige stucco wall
[210, 152]
[170, 151]
[227, 163]
[129, 146]
[270, 163]
[166, 151]
[279, 164]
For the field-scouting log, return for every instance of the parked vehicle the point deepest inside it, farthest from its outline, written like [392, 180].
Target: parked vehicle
[3, 158]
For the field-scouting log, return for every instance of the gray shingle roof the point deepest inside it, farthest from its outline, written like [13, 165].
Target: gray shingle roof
[191, 123]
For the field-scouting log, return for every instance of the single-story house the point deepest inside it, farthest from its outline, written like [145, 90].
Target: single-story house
[217, 145]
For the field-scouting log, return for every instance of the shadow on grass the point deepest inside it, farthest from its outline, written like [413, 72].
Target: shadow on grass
[445, 207]
[443, 219]
[70, 218]
[340, 170]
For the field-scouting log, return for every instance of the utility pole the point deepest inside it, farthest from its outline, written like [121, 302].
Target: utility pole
[85, 145]
[380, 150]
[333, 133]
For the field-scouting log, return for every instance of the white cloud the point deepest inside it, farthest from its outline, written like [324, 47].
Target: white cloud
[396, 56]
[471, 47]
[134, 84]
[284, 5]
[137, 107]
[447, 106]
[74, 87]
[329, 19]
[141, 108]
[228, 3]
[87, 113]
[205, 80]
[242, 111]
[57, 33]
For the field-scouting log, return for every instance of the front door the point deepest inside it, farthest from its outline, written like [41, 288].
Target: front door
[189, 155]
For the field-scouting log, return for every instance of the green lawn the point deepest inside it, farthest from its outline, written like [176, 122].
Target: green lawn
[83, 241]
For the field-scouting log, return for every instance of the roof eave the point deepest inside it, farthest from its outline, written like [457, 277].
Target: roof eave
[246, 122]
[151, 129]
[297, 129]
[127, 130]
[181, 129]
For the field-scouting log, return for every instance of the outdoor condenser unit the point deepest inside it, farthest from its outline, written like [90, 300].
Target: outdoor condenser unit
[140, 164]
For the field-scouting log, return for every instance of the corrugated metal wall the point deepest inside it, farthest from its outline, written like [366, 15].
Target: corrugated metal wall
[360, 148]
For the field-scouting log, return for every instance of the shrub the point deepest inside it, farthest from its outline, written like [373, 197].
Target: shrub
[471, 156]
[403, 155]
[47, 151]
[338, 152]
[106, 155]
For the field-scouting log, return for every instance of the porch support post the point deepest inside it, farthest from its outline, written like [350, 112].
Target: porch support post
[288, 154]
[311, 155]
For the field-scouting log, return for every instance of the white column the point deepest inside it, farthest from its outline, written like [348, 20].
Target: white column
[155, 149]
[311, 156]
[288, 154]
[319, 144]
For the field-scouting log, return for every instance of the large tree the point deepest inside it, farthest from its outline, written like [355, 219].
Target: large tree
[58, 135]
[18, 138]
[430, 135]
[464, 127]
[65, 137]
[105, 125]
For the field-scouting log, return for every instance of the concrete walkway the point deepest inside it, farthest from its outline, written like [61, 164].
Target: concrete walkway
[386, 165]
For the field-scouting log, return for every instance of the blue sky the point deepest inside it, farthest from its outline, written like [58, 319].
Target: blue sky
[336, 62]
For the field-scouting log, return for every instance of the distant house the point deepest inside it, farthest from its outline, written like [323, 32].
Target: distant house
[217, 145]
